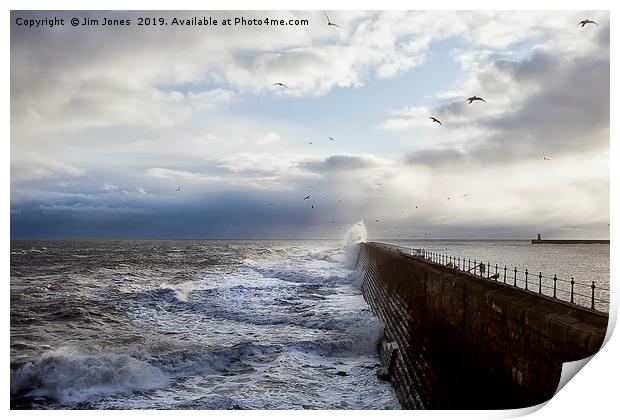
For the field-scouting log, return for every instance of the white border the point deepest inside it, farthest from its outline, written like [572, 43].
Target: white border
[590, 395]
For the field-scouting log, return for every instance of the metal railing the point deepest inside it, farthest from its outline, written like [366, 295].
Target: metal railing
[583, 294]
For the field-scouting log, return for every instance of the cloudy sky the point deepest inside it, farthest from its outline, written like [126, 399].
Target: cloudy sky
[108, 122]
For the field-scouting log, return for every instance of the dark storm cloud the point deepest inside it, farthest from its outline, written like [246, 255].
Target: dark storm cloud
[567, 112]
[338, 163]
[224, 215]
[434, 158]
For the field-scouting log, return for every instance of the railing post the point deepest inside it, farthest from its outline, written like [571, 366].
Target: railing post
[475, 266]
[555, 280]
[468, 264]
[540, 282]
[572, 289]
[593, 286]
[515, 276]
[526, 279]
[488, 270]
[459, 263]
[505, 269]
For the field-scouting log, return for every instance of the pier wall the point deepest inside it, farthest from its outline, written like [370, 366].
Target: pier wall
[456, 341]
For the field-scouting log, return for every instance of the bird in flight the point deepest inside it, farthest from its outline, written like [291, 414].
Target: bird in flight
[585, 22]
[280, 84]
[306, 197]
[331, 138]
[309, 142]
[543, 153]
[324, 197]
[447, 198]
[475, 98]
[329, 22]
[179, 189]
[435, 120]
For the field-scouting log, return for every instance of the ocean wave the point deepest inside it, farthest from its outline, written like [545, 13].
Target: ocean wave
[69, 377]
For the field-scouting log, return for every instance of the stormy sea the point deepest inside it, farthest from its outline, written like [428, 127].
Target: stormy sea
[193, 325]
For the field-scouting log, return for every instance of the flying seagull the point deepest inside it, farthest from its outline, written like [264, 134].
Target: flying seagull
[435, 120]
[306, 197]
[543, 153]
[331, 138]
[309, 142]
[329, 22]
[585, 22]
[280, 84]
[324, 197]
[475, 98]
[179, 189]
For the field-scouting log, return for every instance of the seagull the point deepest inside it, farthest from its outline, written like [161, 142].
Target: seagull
[447, 198]
[331, 138]
[376, 220]
[329, 22]
[280, 84]
[475, 98]
[585, 22]
[435, 120]
[333, 221]
[309, 142]
[543, 153]
[179, 189]
[324, 197]
[306, 197]
[465, 195]
[494, 276]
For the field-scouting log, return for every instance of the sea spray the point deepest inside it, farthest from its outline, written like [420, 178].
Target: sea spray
[355, 234]
[69, 377]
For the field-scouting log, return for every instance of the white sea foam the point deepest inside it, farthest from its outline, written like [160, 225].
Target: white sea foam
[69, 376]
[272, 329]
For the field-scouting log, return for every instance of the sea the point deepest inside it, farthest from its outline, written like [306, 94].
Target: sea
[214, 324]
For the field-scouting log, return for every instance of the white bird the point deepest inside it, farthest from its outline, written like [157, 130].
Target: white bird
[543, 153]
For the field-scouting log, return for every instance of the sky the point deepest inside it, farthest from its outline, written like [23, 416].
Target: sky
[108, 122]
